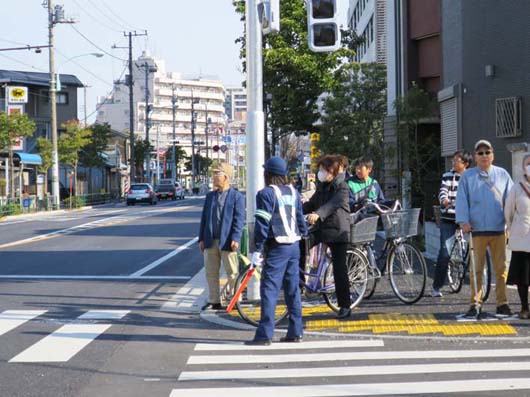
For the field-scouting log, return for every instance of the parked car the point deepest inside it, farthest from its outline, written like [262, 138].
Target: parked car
[179, 191]
[141, 193]
[166, 191]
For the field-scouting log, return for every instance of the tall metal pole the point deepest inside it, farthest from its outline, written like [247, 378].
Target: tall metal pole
[206, 130]
[255, 157]
[148, 152]
[53, 108]
[131, 113]
[173, 108]
[193, 120]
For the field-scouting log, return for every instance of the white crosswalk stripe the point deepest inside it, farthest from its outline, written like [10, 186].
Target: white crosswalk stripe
[294, 370]
[64, 343]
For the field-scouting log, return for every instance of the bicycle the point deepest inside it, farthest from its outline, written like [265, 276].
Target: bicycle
[459, 265]
[402, 260]
[318, 279]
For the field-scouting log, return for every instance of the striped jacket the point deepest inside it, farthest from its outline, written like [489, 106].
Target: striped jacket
[448, 190]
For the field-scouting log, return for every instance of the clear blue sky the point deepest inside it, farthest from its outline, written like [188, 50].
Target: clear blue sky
[193, 36]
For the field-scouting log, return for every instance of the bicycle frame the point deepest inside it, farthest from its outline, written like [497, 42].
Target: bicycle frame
[314, 279]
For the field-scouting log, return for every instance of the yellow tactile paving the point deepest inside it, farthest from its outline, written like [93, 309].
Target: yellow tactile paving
[413, 324]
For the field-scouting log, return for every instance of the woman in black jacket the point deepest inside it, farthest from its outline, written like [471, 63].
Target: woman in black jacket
[329, 209]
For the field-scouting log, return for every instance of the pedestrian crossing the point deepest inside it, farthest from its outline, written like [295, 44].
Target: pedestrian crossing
[356, 367]
[65, 342]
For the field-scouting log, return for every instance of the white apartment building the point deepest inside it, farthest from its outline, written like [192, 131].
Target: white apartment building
[208, 96]
[368, 19]
[236, 104]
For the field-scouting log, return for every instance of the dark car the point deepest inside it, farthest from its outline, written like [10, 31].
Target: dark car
[166, 191]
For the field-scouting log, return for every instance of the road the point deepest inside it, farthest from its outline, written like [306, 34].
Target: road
[104, 302]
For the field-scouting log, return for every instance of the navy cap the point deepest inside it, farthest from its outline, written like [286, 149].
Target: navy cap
[276, 166]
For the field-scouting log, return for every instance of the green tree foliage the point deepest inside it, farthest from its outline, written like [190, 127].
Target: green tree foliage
[99, 140]
[200, 164]
[45, 148]
[354, 113]
[180, 156]
[292, 74]
[70, 144]
[13, 127]
[141, 149]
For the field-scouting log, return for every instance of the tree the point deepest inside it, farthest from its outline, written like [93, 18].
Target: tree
[180, 156]
[70, 144]
[200, 163]
[13, 127]
[354, 113]
[292, 74]
[90, 156]
[45, 148]
[141, 149]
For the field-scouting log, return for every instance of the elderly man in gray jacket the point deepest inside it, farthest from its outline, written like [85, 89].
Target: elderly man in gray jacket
[480, 209]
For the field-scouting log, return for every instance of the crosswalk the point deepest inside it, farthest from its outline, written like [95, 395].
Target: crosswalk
[357, 367]
[65, 342]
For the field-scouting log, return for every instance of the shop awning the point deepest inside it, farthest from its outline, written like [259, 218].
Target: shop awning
[28, 158]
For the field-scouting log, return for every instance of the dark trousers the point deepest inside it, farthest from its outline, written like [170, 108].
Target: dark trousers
[340, 268]
[447, 230]
[280, 271]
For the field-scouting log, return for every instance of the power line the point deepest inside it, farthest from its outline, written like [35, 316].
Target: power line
[13, 42]
[95, 19]
[23, 63]
[106, 16]
[95, 45]
[120, 18]
[82, 67]
[108, 95]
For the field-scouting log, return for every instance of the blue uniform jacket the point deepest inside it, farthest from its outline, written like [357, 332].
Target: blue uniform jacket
[266, 204]
[232, 220]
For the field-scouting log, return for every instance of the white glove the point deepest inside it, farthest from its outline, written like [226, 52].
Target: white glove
[256, 260]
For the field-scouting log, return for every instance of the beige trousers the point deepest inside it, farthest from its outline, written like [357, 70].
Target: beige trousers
[497, 245]
[212, 264]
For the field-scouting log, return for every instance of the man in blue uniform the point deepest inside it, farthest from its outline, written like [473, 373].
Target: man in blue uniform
[279, 227]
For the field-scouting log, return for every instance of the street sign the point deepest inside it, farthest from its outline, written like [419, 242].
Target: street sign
[226, 139]
[17, 94]
[224, 148]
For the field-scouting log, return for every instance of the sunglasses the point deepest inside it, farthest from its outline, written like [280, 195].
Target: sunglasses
[486, 153]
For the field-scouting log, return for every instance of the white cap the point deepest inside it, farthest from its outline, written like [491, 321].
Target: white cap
[483, 142]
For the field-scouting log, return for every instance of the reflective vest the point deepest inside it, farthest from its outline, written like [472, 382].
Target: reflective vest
[283, 223]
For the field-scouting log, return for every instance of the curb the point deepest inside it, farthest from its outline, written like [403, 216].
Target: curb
[43, 214]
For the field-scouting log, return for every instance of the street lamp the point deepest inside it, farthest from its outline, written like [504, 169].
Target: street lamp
[54, 87]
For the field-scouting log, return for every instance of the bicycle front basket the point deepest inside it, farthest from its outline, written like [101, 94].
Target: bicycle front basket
[363, 231]
[403, 223]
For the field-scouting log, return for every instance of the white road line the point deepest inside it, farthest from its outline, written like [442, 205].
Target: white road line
[324, 372]
[339, 344]
[61, 345]
[362, 389]
[104, 315]
[10, 319]
[158, 262]
[355, 356]
[190, 297]
[95, 277]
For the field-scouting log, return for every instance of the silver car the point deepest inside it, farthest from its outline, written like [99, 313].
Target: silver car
[141, 193]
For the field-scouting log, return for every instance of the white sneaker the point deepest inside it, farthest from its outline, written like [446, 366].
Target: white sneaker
[436, 293]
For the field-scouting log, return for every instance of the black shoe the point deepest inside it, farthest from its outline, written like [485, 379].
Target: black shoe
[292, 339]
[473, 312]
[344, 312]
[504, 311]
[258, 342]
[212, 306]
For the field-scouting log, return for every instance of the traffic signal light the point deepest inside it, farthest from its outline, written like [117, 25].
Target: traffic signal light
[270, 16]
[323, 28]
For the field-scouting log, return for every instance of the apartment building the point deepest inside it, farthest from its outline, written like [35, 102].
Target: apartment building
[368, 19]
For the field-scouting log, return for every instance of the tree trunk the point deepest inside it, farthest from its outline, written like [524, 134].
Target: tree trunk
[12, 174]
[75, 179]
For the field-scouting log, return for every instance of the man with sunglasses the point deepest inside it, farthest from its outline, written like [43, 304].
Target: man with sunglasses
[480, 202]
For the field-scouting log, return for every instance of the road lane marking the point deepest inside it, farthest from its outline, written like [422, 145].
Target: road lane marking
[190, 297]
[362, 389]
[158, 262]
[70, 339]
[11, 319]
[338, 344]
[324, 372]
[94, 224]
[66, 277]
[355, 356]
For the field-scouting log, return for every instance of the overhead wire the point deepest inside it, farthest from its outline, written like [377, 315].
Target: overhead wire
[96, 19]
[108, 95]
[130, 27]
[106, 16]
[96, 46]
[85, 69]
[22, 63]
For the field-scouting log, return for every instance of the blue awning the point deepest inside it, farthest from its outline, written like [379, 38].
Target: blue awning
[29, 158]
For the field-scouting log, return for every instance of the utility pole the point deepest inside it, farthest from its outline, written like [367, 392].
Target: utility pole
[206, 130]
[84, 103]
[193, 121]
[255, 120]
[130, 83]
[148, 152]
[173, 109]
[55, 16]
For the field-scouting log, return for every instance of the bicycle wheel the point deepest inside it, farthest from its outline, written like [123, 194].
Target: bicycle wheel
[407, 272]
[357, 265]
[455, 275]
[249, 303]
[371, 283]
[486, 276]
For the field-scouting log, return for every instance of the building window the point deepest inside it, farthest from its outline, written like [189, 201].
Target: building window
[61, 98]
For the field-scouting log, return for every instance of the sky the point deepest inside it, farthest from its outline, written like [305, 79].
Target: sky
[192, 36]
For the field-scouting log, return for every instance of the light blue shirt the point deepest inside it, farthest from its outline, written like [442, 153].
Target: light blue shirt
[476, 201]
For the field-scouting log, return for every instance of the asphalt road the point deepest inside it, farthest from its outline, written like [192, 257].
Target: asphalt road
[104, 303]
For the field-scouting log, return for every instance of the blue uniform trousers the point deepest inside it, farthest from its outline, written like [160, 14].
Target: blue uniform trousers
[280, 269]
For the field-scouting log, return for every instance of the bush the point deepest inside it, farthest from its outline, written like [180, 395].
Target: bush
[77, 202]
[10, 209]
